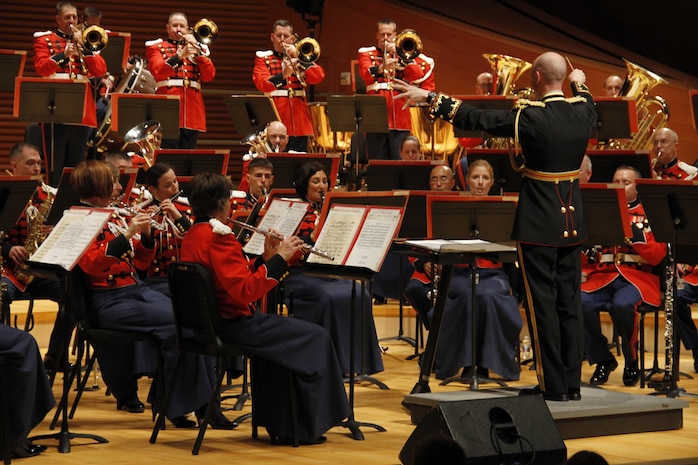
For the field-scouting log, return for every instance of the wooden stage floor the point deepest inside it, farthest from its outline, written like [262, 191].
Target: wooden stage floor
[128, 434]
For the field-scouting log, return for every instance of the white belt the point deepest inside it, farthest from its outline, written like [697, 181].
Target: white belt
[621, 258]
[286, 93]
[378, 86]
[77, 77]
[178, 83]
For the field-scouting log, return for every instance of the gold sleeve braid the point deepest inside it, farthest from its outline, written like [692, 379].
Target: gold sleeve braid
[444, 107]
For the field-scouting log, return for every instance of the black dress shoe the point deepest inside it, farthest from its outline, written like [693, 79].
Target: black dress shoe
[217, 419]
[603, 371]
[631, 374]
[27, 449]
[131, 405]
[574, 394]
[695, 360]
[183, 422]
[380, 300]
[283, 441]
[553, 396]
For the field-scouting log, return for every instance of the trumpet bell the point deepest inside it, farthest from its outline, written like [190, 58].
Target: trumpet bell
[308, 50]
[408, 45]
[205, 31]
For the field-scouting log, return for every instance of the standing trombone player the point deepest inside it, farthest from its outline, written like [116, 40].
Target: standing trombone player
[284, 74]
[63, 54]
[179, 64]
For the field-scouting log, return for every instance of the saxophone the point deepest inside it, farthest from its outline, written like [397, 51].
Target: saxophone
[35, 219]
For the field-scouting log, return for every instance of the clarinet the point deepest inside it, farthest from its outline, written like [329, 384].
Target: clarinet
[667, 382]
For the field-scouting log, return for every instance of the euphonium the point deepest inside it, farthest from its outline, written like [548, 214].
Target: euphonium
[408, 45]
[259, 144]
[638, 83]
[148, 137]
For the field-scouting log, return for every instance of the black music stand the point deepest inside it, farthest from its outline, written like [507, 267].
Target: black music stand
[193, 161]
[358, 114]
[51, 101]
[482, 218]
[605, 163]
[251, 113]
[617, 118]
[116, 54]
[670, 207]
[66, 197]
[385, 175]
[11, 67]
[15, 193]
[286, 167]
[506, 178]
[129, 110]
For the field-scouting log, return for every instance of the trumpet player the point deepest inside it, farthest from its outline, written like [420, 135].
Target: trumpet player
[179, 65]
[61, 54]
[281, 75]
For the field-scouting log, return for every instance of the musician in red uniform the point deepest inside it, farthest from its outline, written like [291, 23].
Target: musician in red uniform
[171, 219]
[120, 300]
[274, 138]
[277, 342]
[666, 163]
[619, 279]
[180, 64]
[379, 66]
[61, 54]
[279, 74]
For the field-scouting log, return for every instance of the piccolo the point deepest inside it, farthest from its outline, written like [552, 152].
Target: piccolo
[172, 199]
[307, 248]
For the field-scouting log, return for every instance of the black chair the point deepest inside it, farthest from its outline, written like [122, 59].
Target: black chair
[198, 331]
[87, 334]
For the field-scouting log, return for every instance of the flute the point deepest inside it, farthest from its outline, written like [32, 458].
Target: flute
[172, 199]
[307, 248]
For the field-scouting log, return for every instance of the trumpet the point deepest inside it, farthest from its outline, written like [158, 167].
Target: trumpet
[306, 248]
[408, 45]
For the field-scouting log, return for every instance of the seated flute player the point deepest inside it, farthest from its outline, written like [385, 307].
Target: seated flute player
[277, 342]
[498, 318]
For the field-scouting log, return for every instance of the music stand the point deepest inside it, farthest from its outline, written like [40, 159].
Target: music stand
[488, 218]
[286, 166]
[66, 197]
[11, 67]
[617, 118]
[693, 97]
[385, 175]
[670, 207]
[483, 102]
[188, 162]
[251, 112]
[358, 114]
[116, 54]
[128, 110]
[506, 178]
[605, 162]
[15, 193]
[51, 101]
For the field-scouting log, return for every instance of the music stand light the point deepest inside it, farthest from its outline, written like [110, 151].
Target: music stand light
[11, 67]
[128, 110]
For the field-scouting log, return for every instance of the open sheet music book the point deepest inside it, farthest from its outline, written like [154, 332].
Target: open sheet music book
[283, 216]
[71, 236]
[459, 246]
[358, 236]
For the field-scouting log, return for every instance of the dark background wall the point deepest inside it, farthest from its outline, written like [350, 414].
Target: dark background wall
[456, 35]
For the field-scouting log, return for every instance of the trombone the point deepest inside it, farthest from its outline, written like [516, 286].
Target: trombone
[205, 32]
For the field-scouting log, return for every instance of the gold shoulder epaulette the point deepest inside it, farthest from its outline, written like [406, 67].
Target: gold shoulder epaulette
[524, 102]
[577, 99]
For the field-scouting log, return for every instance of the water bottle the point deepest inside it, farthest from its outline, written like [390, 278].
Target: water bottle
[526, 350]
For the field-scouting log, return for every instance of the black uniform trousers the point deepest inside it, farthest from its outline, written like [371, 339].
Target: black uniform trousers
[552, 276]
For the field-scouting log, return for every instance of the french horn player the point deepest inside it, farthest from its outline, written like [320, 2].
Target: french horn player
[285, 73]
[180, 65]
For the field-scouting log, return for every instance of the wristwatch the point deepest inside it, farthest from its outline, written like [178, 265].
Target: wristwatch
[430, 97]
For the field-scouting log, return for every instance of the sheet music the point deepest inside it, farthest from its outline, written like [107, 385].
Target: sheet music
[375, 237]
[282, 215]
[459, 245]
[338, 233]
[71, 236]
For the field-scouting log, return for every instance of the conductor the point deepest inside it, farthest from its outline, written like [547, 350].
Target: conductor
[549, 224]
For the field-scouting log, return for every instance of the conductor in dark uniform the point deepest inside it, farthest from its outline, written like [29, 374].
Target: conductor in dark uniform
[549, 225]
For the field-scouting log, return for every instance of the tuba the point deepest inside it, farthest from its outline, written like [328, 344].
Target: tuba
[147, 136]
[652, 112]
[408, 45]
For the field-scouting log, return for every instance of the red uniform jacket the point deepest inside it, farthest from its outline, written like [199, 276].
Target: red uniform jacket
[370, 58]
[237, 281]
[50, 61]
[111, 260]
[18, 234]
[181, 77]
[676, 170]
[599, 274]
[288, 94]
[168, 241]
[427, 80]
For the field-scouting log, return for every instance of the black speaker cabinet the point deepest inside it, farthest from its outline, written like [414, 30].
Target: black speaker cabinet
[503, 431]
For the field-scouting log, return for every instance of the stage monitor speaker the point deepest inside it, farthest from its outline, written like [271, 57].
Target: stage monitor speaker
[309, 7]
[501, 431]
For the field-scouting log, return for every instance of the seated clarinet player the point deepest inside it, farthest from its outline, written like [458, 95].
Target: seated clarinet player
[277, 342]
[327, 301]
[618, 279]
[121, 301]
[498, 319]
